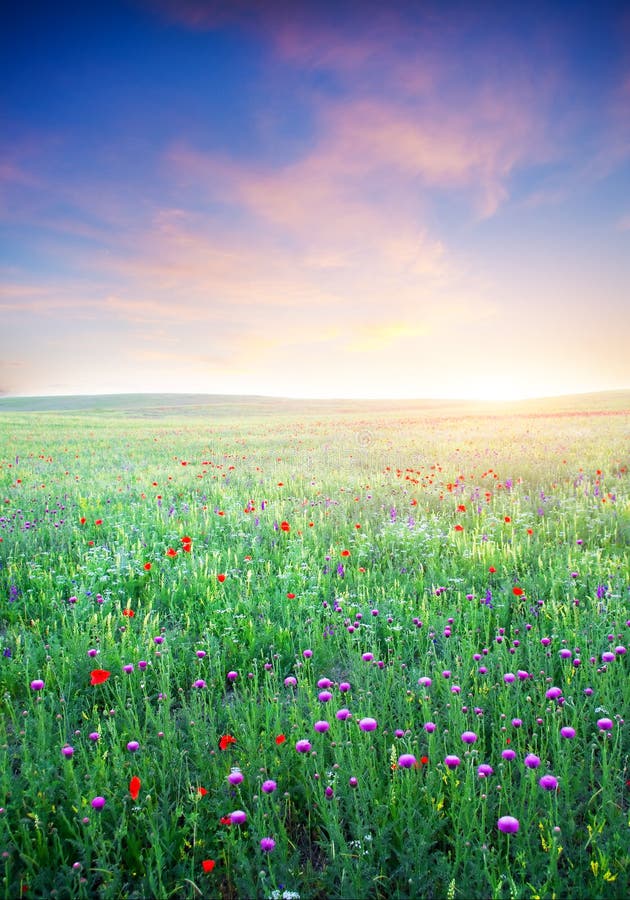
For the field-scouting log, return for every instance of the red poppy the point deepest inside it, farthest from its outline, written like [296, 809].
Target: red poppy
[147, 567]
[492, 570]
[518, 591]
[134, 787]
[530, 531]
[461, 507]
[82, 520]
[225, 820]
[507, 519]
[285, 526]
[128, 612]
[186, 540]
[221, 577]
[225, 741]
[345, 553]
[171, 552]
[290, 596]
[202, 791]
[187, 548]
[98, 521]
[208, 865]
[280, 739]
[99, 676]
[424, 760]
[459, 528]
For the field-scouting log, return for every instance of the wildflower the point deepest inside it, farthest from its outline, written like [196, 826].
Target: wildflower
[269, 786]
[407, 761]
[94, 736]
[128, 668]
[344, 687]
[284, 526]
[469, 737]
[548, 783]
[199, 683]
[208, 865]
[133, 746]
[238, 817]
[484, 770]
[172, 552]
[518, 591]
[128, 612]
[37, 685]
[451, 761]
[225, 741]
[290, 681]
[202, 791]
[604, 724]
[508, 754]
[134, 787]
[67, 751]
[429, 727]
[367, 657]
[343, 714]
[553, 693]
[232, 676]
[267, 844]
[147, 566]
[352, 781]
[99, 676]
[532, 761]
[459, 528]
[235, 777]
[367, 724]
[345, 553]
[280, 739]
[98, 802]
[329, 793]
[508, 825]
[303, 746]
[221, 578]
[322, 726]
[324, 696]
[567, 732]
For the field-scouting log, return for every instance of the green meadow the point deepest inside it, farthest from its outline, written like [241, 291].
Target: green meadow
[254, 648]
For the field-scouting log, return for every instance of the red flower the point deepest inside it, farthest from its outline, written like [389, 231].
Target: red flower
[507, 519]
[147, 567]
[221, 577]
[186, 548]
[290, 596]
[285, 526]
[171, 552]
[280, 739]
[186, 540]
[518, 591]
[530, 531]
[492, 570]
[459, 528]
[424, 760]
[128, 612]
[225, 820]
[134, 787]
[208, 865]
[202, 791]
[345, 553]
[461, 507]
[225, 741]
[98, 521]
[99, 676]
[82, 520]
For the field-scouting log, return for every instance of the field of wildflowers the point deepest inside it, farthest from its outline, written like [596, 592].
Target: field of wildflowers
[318, 656]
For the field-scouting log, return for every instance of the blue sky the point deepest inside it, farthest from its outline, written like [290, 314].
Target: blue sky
[318, 200]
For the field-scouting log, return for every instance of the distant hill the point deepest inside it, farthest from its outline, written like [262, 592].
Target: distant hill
[234, 406]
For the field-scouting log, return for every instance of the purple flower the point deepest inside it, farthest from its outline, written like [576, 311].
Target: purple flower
[324, 683]
[517, 723]
[567, 732]
[548, 783]
[267, 844]
[133, 746]
[344, 686]
[509, 677]
[290, 681]
[508, 825]
[307, 654]
[232, 676]
[451, 762]
[303, 746]
[469, 737]
[200, 654]
[269, 786]
[128, 668]
[352, 781]
[67, 751]
[604, 724]
[98, 802]
[406, 761]
[37, 685]
[321, 726]
[429, 727]
[425, 681]
[238, 817]
[142, 664]
[324, 696]
[367, 724]
[94, 736]
[608, 656]
[532, 761]
[484, 770]
[235, 776]
[553, 693]
[343, 714]
[199, 683]
[508, 754]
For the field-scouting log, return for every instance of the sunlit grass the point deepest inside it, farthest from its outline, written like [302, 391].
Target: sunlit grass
[230, 573]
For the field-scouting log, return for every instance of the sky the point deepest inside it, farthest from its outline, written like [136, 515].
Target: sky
[349, 199]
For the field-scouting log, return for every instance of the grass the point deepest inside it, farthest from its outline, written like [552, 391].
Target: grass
[225, 560]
